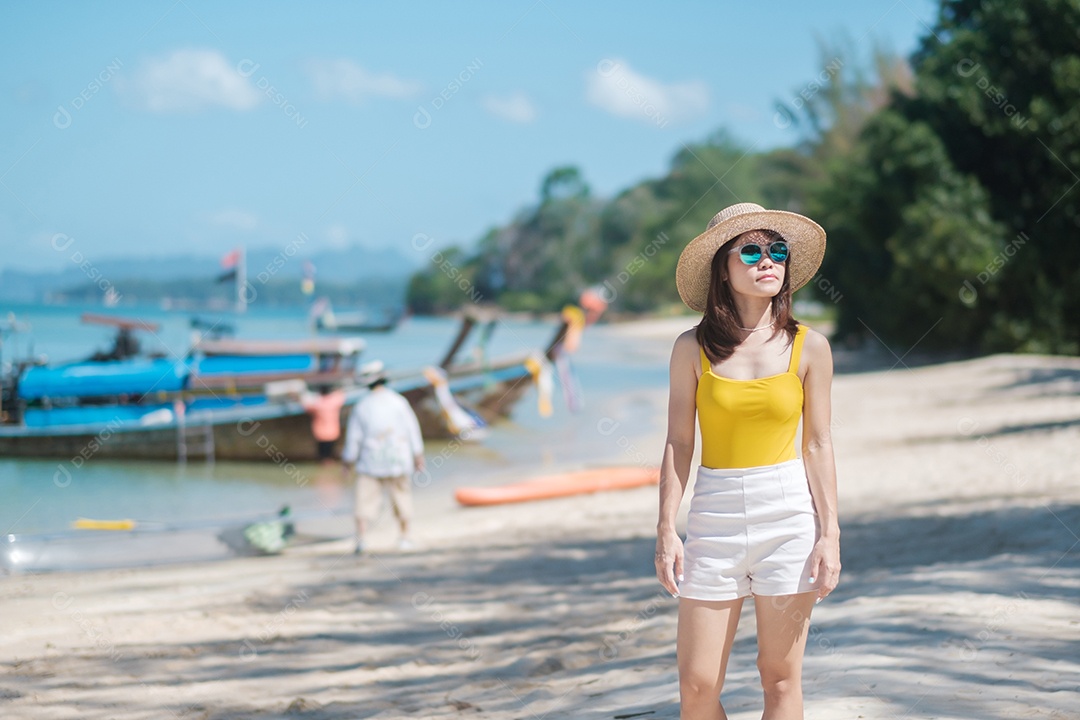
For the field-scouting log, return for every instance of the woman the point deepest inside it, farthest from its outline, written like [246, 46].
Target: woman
[762, 521]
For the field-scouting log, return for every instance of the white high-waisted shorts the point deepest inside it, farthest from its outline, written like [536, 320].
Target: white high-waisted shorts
[750, 531]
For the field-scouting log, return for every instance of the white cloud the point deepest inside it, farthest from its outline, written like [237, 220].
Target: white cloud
[188, 81]
[234, 219]
[515, 108]
[617, 88]
[345, 79]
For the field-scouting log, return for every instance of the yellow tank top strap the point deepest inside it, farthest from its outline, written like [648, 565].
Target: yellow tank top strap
[796, 349]
[793, 365]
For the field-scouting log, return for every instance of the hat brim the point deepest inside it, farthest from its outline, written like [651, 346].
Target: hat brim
[378, 377]
[805, 237]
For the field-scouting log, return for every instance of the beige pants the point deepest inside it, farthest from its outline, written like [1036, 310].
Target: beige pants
[369, 495]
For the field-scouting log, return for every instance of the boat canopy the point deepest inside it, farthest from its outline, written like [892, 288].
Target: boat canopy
[95, 379]
[308, 346]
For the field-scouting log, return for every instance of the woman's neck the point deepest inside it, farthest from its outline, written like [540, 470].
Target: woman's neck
[754, 312]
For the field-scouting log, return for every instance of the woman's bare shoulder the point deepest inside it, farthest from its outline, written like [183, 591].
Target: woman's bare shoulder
[685, 349]
[687, 336]
[816, 347]
[686, 342]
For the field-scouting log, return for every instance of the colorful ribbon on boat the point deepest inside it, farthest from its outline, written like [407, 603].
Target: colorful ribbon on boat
[480, 352]
[575, 326]
[575, 400]
[458, 419]
[540, 369]
[574, 317]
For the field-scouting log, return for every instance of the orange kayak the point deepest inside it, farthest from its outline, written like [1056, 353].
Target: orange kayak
[560, 485]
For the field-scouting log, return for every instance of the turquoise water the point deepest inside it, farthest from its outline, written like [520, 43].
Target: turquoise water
[164, 494]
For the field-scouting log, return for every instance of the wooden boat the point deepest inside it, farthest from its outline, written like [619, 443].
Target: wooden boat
[125, 344]
[216, 402]
[357, 322]
[247, 366]
[560, 485]
[219, 402]
[269, 431]
[490, 389]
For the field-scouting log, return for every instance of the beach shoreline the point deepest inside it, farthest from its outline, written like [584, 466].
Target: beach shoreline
[959, 513]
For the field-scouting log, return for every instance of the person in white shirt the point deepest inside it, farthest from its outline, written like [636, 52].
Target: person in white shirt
[384, 445]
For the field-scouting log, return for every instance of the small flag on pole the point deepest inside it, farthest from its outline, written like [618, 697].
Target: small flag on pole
[229, 261]
[307, 285]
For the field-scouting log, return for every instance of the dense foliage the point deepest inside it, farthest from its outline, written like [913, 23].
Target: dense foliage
[957, 211]
[948, 188]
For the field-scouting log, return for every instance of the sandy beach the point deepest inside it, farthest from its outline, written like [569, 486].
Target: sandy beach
[960, 518]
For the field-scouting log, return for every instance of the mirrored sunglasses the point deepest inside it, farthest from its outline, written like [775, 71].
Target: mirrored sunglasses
[750, 253]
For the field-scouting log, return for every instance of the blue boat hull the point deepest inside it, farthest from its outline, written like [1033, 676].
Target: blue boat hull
[244, 429]
[278, 432]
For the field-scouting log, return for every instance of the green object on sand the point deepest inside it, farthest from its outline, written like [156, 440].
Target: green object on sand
[270, 536]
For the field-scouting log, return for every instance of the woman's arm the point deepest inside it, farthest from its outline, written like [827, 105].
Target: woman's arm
[678, 453]
[817, 453]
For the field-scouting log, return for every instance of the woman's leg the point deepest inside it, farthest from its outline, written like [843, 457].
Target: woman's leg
[706, 631]
[783, 622]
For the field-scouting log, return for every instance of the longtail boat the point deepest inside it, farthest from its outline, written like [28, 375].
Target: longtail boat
[231, 399]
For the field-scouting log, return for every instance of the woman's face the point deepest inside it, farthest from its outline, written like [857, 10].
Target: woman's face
[762, 279]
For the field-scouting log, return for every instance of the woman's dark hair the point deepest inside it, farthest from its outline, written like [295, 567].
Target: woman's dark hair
[718, 332]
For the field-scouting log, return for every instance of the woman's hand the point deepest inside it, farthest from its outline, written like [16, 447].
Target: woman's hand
[825, 565]
[669, 560]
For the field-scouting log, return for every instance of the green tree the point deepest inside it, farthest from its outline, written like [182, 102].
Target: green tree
[704, 178]
[905, 230]
[827, 116]
[971, 181]
[948, 189]
[542, 259]
[563, 183]
[1000, 84]
[447, 285]
[539, 261]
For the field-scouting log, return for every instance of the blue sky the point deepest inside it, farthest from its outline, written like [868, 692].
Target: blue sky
[156, 128]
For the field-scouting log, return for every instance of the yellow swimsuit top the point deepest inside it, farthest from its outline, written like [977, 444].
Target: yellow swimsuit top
[747, 423]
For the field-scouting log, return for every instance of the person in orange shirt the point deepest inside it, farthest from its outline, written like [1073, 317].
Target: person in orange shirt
[325, 411]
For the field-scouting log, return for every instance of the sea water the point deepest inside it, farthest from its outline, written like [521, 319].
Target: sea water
[615, 409]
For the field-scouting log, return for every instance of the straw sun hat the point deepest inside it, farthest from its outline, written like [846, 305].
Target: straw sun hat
[804, 236]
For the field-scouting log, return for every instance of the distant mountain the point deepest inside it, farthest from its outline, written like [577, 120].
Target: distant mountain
[352, 264]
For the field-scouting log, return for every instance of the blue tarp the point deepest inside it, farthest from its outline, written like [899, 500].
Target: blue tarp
[231, 365]
[219, 403]
[105, 416]
[139, 376]
[89, 379]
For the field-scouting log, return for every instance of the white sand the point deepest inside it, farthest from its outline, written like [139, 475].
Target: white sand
[960, 511]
